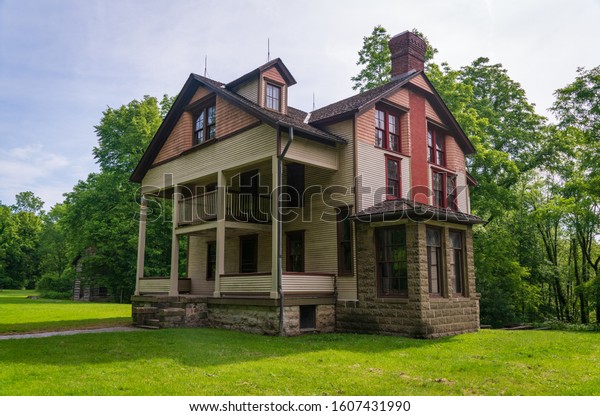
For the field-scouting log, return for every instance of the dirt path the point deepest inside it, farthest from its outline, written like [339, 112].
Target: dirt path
[71, 332]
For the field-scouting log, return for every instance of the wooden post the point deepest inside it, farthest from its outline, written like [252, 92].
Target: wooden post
[174, 280]
[141, 245]
[221, 215]
[274, 233]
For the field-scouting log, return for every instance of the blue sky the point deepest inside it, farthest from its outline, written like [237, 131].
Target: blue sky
[63, 62]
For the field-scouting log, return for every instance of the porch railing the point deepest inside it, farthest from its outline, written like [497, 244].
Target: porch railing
[245, 283]
[239, 207]
[307, 283]
[198, 208]
[248, 207]
[160, 284]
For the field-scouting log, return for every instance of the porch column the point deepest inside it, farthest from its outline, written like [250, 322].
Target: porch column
[221, 208]
[141, 245]
[174, 280]
[274, 234]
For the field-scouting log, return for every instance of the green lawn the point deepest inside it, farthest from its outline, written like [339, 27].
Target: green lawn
[19, 314]
[219, 362]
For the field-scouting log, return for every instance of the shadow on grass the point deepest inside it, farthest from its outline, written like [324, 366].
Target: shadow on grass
[51, 326]
[198, 347]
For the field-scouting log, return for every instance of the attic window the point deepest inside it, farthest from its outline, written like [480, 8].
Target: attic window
[273, 97]
[205, 125]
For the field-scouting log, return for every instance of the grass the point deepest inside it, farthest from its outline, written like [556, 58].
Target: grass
[219, 362]
[19, 314]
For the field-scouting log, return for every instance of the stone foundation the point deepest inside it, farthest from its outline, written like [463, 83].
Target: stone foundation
[254, 316]
[418, 314]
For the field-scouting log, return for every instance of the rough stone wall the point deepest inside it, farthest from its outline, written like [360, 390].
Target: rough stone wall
[253, 319]
[169, 311]
[418, 314]
[372, 314]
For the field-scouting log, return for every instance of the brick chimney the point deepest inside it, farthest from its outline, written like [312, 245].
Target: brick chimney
[408, 52]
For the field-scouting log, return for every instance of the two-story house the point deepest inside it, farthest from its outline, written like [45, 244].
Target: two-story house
[354, 217]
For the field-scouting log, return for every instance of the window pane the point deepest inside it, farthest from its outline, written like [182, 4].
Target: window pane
[200, 121]
[212, 114]
[439, 146]
[455, 240]
[393, 124]
[433, 237]
[393, 168]
[380, 119]
[392, 269]
[379, 134]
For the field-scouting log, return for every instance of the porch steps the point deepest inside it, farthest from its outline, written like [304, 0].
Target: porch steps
[147, 326]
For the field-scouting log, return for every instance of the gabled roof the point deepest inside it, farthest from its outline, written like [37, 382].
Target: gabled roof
[277, 62]
[405, 208]
[360, 101]
[295, 118]
[357, 102]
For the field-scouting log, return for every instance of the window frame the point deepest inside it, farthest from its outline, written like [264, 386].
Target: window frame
[436, 145]
[295, 178]
[443, 192]
[459, 254]
[288, 250]
[206, 126]
[254, 239]
[389, 158]
[440, 265]
[386, 131]
[343, 219]
[274, 87]
[210, 278]
[380, 250]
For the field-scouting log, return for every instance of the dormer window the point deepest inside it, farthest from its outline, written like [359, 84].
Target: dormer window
[273, 97]
[387, 130]
[205, 125]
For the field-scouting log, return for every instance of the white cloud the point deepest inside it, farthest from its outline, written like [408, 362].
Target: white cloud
[34, 168]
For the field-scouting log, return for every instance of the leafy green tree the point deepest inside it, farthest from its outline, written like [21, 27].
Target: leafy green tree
[375, 59]
[100, 213]
[27, 202]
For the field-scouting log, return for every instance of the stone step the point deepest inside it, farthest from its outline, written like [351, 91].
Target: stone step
[148, 326]
[145, 309]
[171, 312]
[152, 322]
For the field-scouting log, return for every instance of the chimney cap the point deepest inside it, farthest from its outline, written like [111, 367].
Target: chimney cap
[407, 52]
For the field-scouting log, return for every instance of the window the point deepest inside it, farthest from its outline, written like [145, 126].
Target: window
[392, 178]
[295, 185]
[457, 267]
[392, 276]
[444, 190]
[434, 260]
[438, 189]
[211, 260]
[295, 251]
[344, 237]
[436, 146]
[387, 130]
[308, 317]
[273, 97]
[205, 127]
[248, 253]
[451, 192]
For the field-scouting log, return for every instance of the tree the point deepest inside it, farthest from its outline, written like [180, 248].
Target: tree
[124, 133]
[100, 212]
[27, 202]
[375, 59]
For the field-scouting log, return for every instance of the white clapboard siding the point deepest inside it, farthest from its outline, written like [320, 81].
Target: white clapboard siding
[307, 283]
[249, 90]
[246, 284]
[154, 285]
